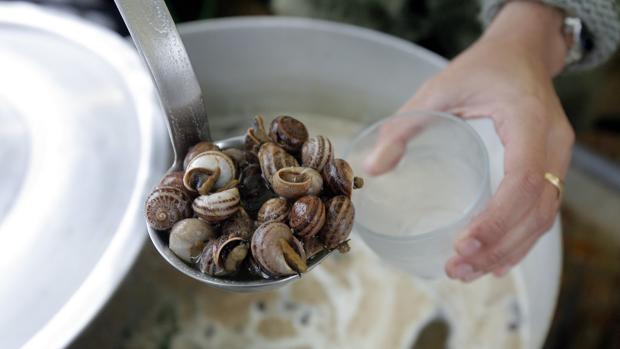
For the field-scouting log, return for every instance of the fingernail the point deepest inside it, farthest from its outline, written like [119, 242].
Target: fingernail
[383, 157]
[463, 271]
[468, 247]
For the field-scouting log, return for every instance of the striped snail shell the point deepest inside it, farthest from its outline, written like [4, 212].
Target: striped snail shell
[339, 215]
[206, 261]
[307, 216]
[273, 210]
[218, 206]
[188, 236]
[277, 251]
[272, 158]
[198, 148]
[316, 152]
[212, 167]
[312, 246]
[338, 177]
[173, 179]
[288, 132]
[165, 206]
[240, 224]
[256, 135]
[229, 252]
[295, 182]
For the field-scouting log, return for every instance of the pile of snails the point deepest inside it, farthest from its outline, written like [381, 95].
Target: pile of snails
[263, 210]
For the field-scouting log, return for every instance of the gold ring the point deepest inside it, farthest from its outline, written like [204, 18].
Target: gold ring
[556, 182]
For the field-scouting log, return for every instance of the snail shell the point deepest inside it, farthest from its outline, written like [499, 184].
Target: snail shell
[173, 179]
[339, 217]
[338, 177]
[277, 251]
[294, 182]
[240, 224]
[316, 152]
[307, 216]
[217, 207]
[272, 158]
[206, 261]
[273, 210]
[241, 158]
[253, 189]
[312, 246]
[256, 135]
[229, 252]
[255, 269]
[288, 132]
[198, 149]
[165, 206]
[188, 236]
[210, 163]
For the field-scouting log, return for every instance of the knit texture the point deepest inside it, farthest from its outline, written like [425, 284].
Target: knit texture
[600, 17]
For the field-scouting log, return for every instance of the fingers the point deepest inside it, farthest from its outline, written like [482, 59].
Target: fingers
[391, 144]
[500, 257]
[544, 219]
[394, 134]
[517, 194]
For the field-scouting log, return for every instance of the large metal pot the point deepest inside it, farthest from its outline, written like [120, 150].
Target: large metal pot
[354, 75]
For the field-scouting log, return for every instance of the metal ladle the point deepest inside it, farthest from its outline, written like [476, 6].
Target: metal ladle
[154, 33]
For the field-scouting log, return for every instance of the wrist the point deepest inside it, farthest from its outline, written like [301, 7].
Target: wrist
[535, 30]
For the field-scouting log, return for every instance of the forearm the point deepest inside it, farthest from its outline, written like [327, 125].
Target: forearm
[534, 28]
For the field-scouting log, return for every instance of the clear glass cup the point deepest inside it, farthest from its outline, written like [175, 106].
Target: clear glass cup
[411, 215]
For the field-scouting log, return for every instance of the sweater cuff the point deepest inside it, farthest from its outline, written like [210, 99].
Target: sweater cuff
[600, 17]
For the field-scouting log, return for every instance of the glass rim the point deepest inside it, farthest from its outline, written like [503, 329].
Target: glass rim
[485, 178]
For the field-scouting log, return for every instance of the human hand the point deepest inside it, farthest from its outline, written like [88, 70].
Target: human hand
[507, 76]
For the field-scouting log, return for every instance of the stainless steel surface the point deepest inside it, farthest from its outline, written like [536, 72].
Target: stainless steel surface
[156, 37]
[82, 142]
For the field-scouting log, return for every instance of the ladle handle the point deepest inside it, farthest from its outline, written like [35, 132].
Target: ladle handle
[154, 33]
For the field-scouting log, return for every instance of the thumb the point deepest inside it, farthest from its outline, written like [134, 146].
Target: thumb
[395, 133]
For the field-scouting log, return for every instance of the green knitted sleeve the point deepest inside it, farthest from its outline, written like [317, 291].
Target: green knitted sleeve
[601, 18]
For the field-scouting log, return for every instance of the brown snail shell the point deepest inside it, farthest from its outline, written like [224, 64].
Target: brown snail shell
[198, 149]
[253, 189]
[277, 251]
[215, 168]
[241, 158]
[217, 207]
[307, 216]
[188, 237]
[255, 269]
[173, 179]
[240, 224]
[288, 132]
[256, 135]
[165, 206]
[339, 215]
[273, 210]
[230, 252]
[312, 246]
[338, 177]
[317, 152]
[272, 158]
[295, 182]
[206, 261]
